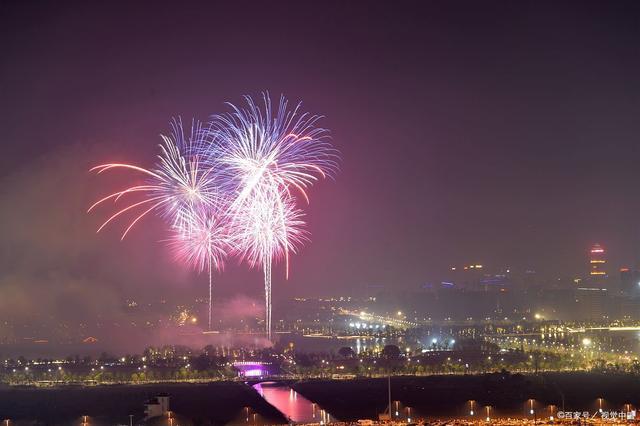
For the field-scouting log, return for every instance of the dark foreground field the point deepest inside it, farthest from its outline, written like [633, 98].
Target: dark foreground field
[436, 396]
[197, 404]
[222, 403]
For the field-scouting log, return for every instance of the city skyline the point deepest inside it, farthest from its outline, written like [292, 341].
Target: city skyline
[443, 164]
[244, 213]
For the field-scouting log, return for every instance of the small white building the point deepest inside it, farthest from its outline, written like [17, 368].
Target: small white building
[157, 406]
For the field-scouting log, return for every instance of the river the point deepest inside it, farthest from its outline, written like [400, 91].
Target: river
[294, 406]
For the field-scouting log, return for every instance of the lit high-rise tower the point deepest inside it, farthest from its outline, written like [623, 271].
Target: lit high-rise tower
[592, 292]
[597, 262]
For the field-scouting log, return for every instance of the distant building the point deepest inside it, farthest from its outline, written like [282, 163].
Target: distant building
[629, 281]
[597, 261]
[496, 282]
[467, 277]
[592, 303]
[157, 406]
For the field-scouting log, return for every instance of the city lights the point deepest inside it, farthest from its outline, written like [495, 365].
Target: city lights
[446, 232]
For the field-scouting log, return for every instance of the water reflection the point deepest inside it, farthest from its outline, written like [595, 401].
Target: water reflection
[294, 406]
[328, 344]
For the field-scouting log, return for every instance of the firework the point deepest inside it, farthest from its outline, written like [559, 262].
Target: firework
[266, 229]
[260, 146]
[176, 186]
[202, 240]
[232, 188]
[265, 155]
[183, 191]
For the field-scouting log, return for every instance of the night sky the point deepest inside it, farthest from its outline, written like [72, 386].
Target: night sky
[502, 133]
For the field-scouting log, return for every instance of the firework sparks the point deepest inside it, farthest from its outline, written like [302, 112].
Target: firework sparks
[177, 184]
[203, 241]
[268, 227]
[264, 153]
[183, 191]
[231, 188]
[262, 146]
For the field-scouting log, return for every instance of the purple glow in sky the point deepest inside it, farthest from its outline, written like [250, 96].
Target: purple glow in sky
[501, 133]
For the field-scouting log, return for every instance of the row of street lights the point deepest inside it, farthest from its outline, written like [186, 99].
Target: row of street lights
[85, 420]
[472, 411]
[532, 410]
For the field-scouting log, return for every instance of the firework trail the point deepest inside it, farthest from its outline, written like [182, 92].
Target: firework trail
[268, 228]
[203, 241]
[183, 191]
[266, 154]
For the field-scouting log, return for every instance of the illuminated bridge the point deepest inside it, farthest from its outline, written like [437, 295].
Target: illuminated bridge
[611, 328]
[380, 319]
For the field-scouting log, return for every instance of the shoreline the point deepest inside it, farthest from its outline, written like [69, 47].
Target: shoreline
[430, 397]
[285, 378]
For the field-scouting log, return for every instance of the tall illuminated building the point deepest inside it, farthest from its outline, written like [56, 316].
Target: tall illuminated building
[597, 263]
[592, 292]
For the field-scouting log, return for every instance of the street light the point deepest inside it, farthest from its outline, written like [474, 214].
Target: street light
[471, 412]
[532, 411]
[600, 405]
[488, 413]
